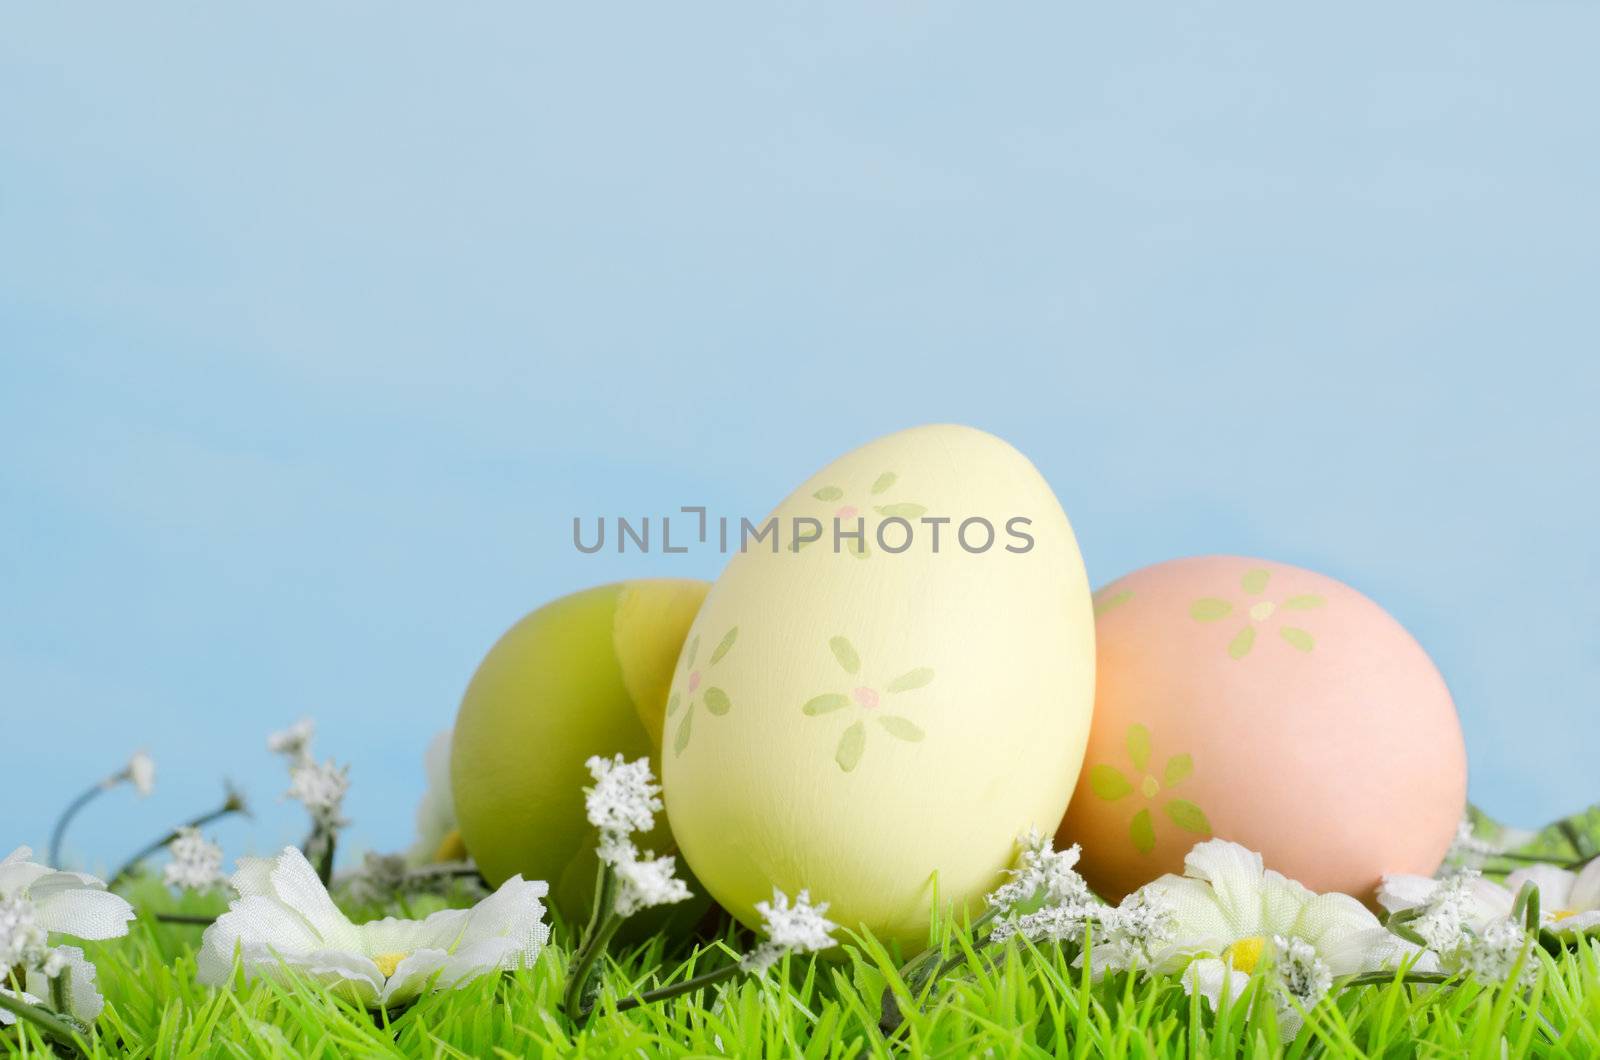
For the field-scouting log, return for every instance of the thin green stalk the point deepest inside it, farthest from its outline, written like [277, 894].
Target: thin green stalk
[1385, 978]
[603, 924]
[53, 1026]
[186, 918]
[663, 993]
[60, 831]
[233, 804]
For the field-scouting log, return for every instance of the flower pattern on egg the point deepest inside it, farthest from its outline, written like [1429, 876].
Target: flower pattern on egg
[714, 699]
[847, 511]
[1257, 613]
[1112, 784]
[864, 700]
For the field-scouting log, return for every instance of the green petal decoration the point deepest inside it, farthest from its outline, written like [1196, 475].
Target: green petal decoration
[1116, 600]
[1240, 645]
[1178, 767]
[909, 680]
[1304, 603]
[1298, 638]
[717, 701]
[672, 704]
[884, 481]
[1187, 816]
[723, 645]
[900, 728]
[845, 652]
[904, 511]
[1209, 609]
[1142, 831]
[851, 744]
[1109, 783]
[828, 493]
[1138, 745]
[694, 649]
[825, 704]
[1255, 580]
[683, 732]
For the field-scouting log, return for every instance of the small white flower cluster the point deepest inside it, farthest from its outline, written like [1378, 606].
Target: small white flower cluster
[799, 927]
[141, 773]
[1129, 936]
[625, 799]
[1301, 973]
[1045, 883]
[196, 863]
[36, 901]
[1467, 922]
[319, 786]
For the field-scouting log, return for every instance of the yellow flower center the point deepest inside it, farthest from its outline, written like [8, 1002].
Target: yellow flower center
[1150, 786]
[1245, 954]
[1263, 611]
[388, 962]
[1562, 914]
[451, 848]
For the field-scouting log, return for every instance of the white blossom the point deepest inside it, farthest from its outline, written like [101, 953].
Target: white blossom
[66, 903]
[294, 742]
[23, 942]
[1232, 915]
[284, 917]
[196, 863]
[796, 928]
[321, 788]
[1129, 936]
[625, 797]
[1040, 871]
[141, 773]
[1467, 920]
[644, 881]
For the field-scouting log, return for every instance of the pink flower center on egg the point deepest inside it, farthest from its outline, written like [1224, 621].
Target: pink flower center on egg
[848, 511]
[866, 697]
[694, 681]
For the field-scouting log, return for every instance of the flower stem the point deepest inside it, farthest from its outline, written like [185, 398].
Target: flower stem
[663, 993]
[186, 918]
[70, 812]
[923, 969]
[603, 924]
[233, 805]
[1384, 978]
[53, 1026]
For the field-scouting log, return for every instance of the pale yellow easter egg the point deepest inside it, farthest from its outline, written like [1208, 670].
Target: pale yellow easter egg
[875, 719]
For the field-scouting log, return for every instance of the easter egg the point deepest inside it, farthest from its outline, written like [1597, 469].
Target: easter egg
[584, 675]
[875, 719]
[1271, 706]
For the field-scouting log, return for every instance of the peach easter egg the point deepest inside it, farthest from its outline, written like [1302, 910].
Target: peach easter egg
[1269, 705]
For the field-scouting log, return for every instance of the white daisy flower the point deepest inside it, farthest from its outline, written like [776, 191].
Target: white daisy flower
[643, 881]
[1231, 916]
[321, 788]
[141, 773]
[284, 917]
[625, 797]
[1569, 901]
[196, 863]
[294, 742]
[438, 834]
[66, 903]
[796, 928]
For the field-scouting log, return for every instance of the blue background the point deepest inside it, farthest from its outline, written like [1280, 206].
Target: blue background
[319, 324]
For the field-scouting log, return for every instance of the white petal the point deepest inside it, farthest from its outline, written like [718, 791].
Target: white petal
[1555, 884]
[1490, 901]
[1372, 949]
[481, 958]
[77, 979]
[295, 884]
[412, 975]
[1341, 930]
[1237, 878]
[514, 912]
[1282, 902]
[1586, 887]
[1212, 978]
[63, 904]
[1200, 925]
[349, 974]
[1577, 922]
[1401, 891]
[252, 877]
[18, 855]
[252, 923]
[17, 876]
[393, 935]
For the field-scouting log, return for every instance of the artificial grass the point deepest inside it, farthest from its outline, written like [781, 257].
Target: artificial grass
[1017, 1001]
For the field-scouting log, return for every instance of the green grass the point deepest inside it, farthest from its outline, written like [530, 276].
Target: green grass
[1021, 1001]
